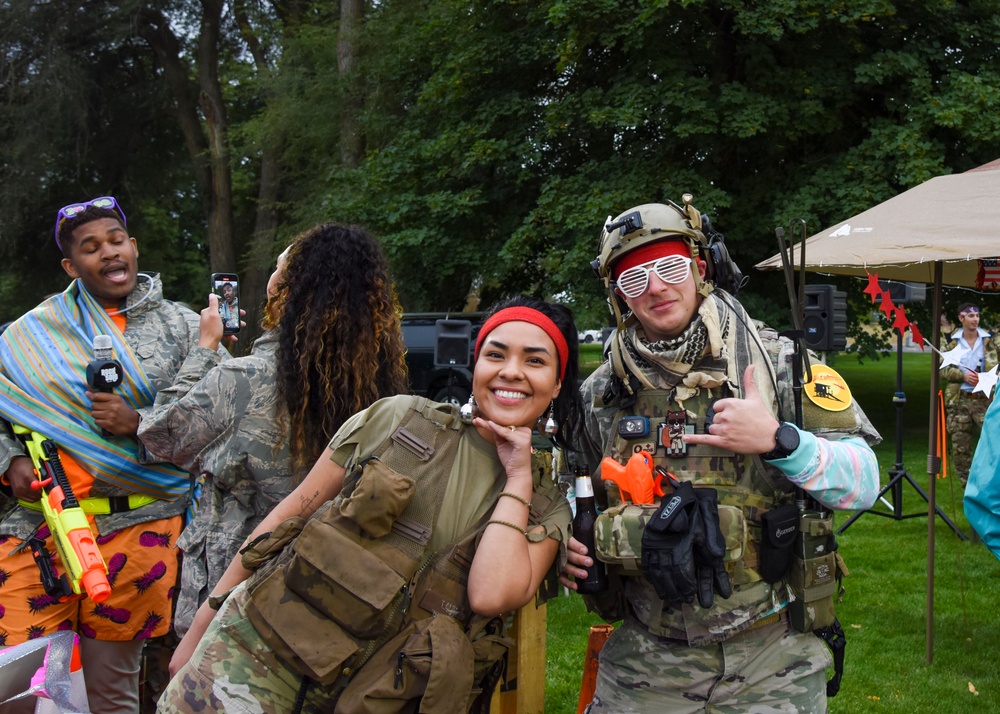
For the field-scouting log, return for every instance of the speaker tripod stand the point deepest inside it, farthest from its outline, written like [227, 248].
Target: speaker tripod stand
[898, 474]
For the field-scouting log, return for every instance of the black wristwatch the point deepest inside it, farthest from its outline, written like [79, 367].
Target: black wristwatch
[786, 440]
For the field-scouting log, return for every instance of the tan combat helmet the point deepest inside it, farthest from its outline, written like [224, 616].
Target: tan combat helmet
[645, 224]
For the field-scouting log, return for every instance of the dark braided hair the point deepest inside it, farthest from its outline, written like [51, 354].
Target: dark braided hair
[340, 344]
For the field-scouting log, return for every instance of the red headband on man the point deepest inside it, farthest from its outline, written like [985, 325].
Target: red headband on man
[534, 317]
[647, 253]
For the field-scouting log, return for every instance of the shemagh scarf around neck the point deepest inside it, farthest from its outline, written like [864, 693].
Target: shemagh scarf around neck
[714, 350]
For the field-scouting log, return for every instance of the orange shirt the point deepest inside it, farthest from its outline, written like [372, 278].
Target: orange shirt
[81, 480]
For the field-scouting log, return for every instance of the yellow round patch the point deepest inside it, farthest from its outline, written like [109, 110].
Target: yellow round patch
[828, 390]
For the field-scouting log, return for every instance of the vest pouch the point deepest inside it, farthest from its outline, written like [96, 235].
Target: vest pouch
[618, 535]
[268, 545]
[813, 575]
[779, 529]
[341, 579]
[490, 646]
[300, 637]
[426, 668]
[380, 496]
[733, 525]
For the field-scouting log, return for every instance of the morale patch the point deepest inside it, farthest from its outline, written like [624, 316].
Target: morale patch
[828, 390]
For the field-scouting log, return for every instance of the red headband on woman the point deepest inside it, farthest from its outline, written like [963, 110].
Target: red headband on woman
[534, 317]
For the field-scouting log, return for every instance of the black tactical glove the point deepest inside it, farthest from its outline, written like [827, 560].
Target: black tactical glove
[668, 546]
[710, 550]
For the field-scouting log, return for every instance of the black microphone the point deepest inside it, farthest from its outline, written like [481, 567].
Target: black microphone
[104, 373]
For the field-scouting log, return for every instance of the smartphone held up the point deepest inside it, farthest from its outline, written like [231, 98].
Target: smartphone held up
[227, 287]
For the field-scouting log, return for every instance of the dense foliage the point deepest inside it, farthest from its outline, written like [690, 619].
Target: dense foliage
[484, 141]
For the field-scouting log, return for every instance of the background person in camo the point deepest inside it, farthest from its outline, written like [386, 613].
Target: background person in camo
[135, 509]
[965, 408]
[686, 351]
[253, 426]
[424, 523]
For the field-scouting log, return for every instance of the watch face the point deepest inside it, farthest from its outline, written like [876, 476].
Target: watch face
[787, 439]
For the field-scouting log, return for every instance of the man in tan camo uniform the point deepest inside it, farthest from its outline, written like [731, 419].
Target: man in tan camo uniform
[686, 351]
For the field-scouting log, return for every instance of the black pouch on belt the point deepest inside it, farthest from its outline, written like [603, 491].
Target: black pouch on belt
[779, 526]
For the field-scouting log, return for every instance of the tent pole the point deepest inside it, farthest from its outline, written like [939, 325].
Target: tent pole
[933, 458]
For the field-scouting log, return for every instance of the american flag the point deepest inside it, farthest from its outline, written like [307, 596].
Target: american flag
[989, 274]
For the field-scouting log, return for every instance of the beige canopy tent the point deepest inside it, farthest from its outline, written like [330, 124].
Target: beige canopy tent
[939, 232]
[954, 220]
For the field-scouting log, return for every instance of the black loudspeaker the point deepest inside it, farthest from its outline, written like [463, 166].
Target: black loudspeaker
[902, 293]
[824, 318]
[451, 348]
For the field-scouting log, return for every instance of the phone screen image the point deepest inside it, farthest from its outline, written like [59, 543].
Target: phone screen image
[227, 287]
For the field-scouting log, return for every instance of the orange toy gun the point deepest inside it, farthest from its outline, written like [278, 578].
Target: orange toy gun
[637, 480]
[85, 568]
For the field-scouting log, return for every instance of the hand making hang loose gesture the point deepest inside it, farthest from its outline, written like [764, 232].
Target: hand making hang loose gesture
[741, 425]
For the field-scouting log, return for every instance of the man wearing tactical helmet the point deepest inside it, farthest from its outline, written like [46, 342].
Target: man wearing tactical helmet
[687, 360]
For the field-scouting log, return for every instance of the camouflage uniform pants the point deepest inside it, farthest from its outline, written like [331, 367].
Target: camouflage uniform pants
[965, 423]
[233, 671]
[768, 669]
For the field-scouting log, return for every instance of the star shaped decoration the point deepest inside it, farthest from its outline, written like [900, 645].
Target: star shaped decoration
[900, 323]
[887, 305]
[918, 338]
[951, 358]
[873, 289]
[987, 382]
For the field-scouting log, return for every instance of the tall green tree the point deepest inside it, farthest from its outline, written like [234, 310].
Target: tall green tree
[500, 135]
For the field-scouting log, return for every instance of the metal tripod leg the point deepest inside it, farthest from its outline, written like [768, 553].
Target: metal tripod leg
[895, 485]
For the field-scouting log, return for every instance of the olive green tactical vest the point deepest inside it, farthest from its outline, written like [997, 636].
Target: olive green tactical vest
[361, 569]
[747, 488]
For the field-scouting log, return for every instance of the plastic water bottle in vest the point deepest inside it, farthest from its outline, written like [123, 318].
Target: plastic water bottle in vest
[583, 530]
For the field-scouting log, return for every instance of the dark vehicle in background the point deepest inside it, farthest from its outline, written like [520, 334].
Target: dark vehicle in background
[435, 381]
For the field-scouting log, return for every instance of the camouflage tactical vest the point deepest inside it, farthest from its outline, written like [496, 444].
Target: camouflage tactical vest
[360, 577]
[747, 488]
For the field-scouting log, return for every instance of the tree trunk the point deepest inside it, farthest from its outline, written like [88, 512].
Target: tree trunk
[352, 144]
[220, 216]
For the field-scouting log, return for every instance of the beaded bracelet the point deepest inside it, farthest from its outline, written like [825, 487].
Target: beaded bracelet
[508, 524]
[516, 497]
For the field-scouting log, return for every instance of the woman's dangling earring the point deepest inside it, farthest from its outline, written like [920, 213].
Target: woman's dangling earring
[469, 410]
[551, 428]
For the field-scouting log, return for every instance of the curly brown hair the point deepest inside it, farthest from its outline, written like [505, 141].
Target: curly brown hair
[340, 343]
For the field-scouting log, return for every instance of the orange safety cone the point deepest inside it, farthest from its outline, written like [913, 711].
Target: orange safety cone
[599, 634]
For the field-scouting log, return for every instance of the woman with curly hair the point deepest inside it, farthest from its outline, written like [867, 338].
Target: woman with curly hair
[251, 427]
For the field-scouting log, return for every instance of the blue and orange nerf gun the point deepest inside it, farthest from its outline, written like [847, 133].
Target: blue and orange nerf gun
[85, 569]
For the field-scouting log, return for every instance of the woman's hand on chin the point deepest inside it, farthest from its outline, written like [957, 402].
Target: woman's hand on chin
[513, 446]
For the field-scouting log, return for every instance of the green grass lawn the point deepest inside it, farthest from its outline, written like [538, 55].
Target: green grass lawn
[884, 610]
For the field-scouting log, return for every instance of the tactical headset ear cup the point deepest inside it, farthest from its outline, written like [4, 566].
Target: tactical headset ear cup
[725, 274]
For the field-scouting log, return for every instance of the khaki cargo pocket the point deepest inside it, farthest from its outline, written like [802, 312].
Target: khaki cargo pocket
[341, 579]
[430, 661]
[379, 498]
[303, 639]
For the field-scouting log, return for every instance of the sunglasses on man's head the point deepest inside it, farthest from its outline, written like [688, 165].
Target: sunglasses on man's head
[75, 209]
[671, 269]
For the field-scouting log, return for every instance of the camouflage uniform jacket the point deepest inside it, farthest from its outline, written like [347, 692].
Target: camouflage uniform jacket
[839, 469]
[164, 336]
[955, 376]
[222, 423]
